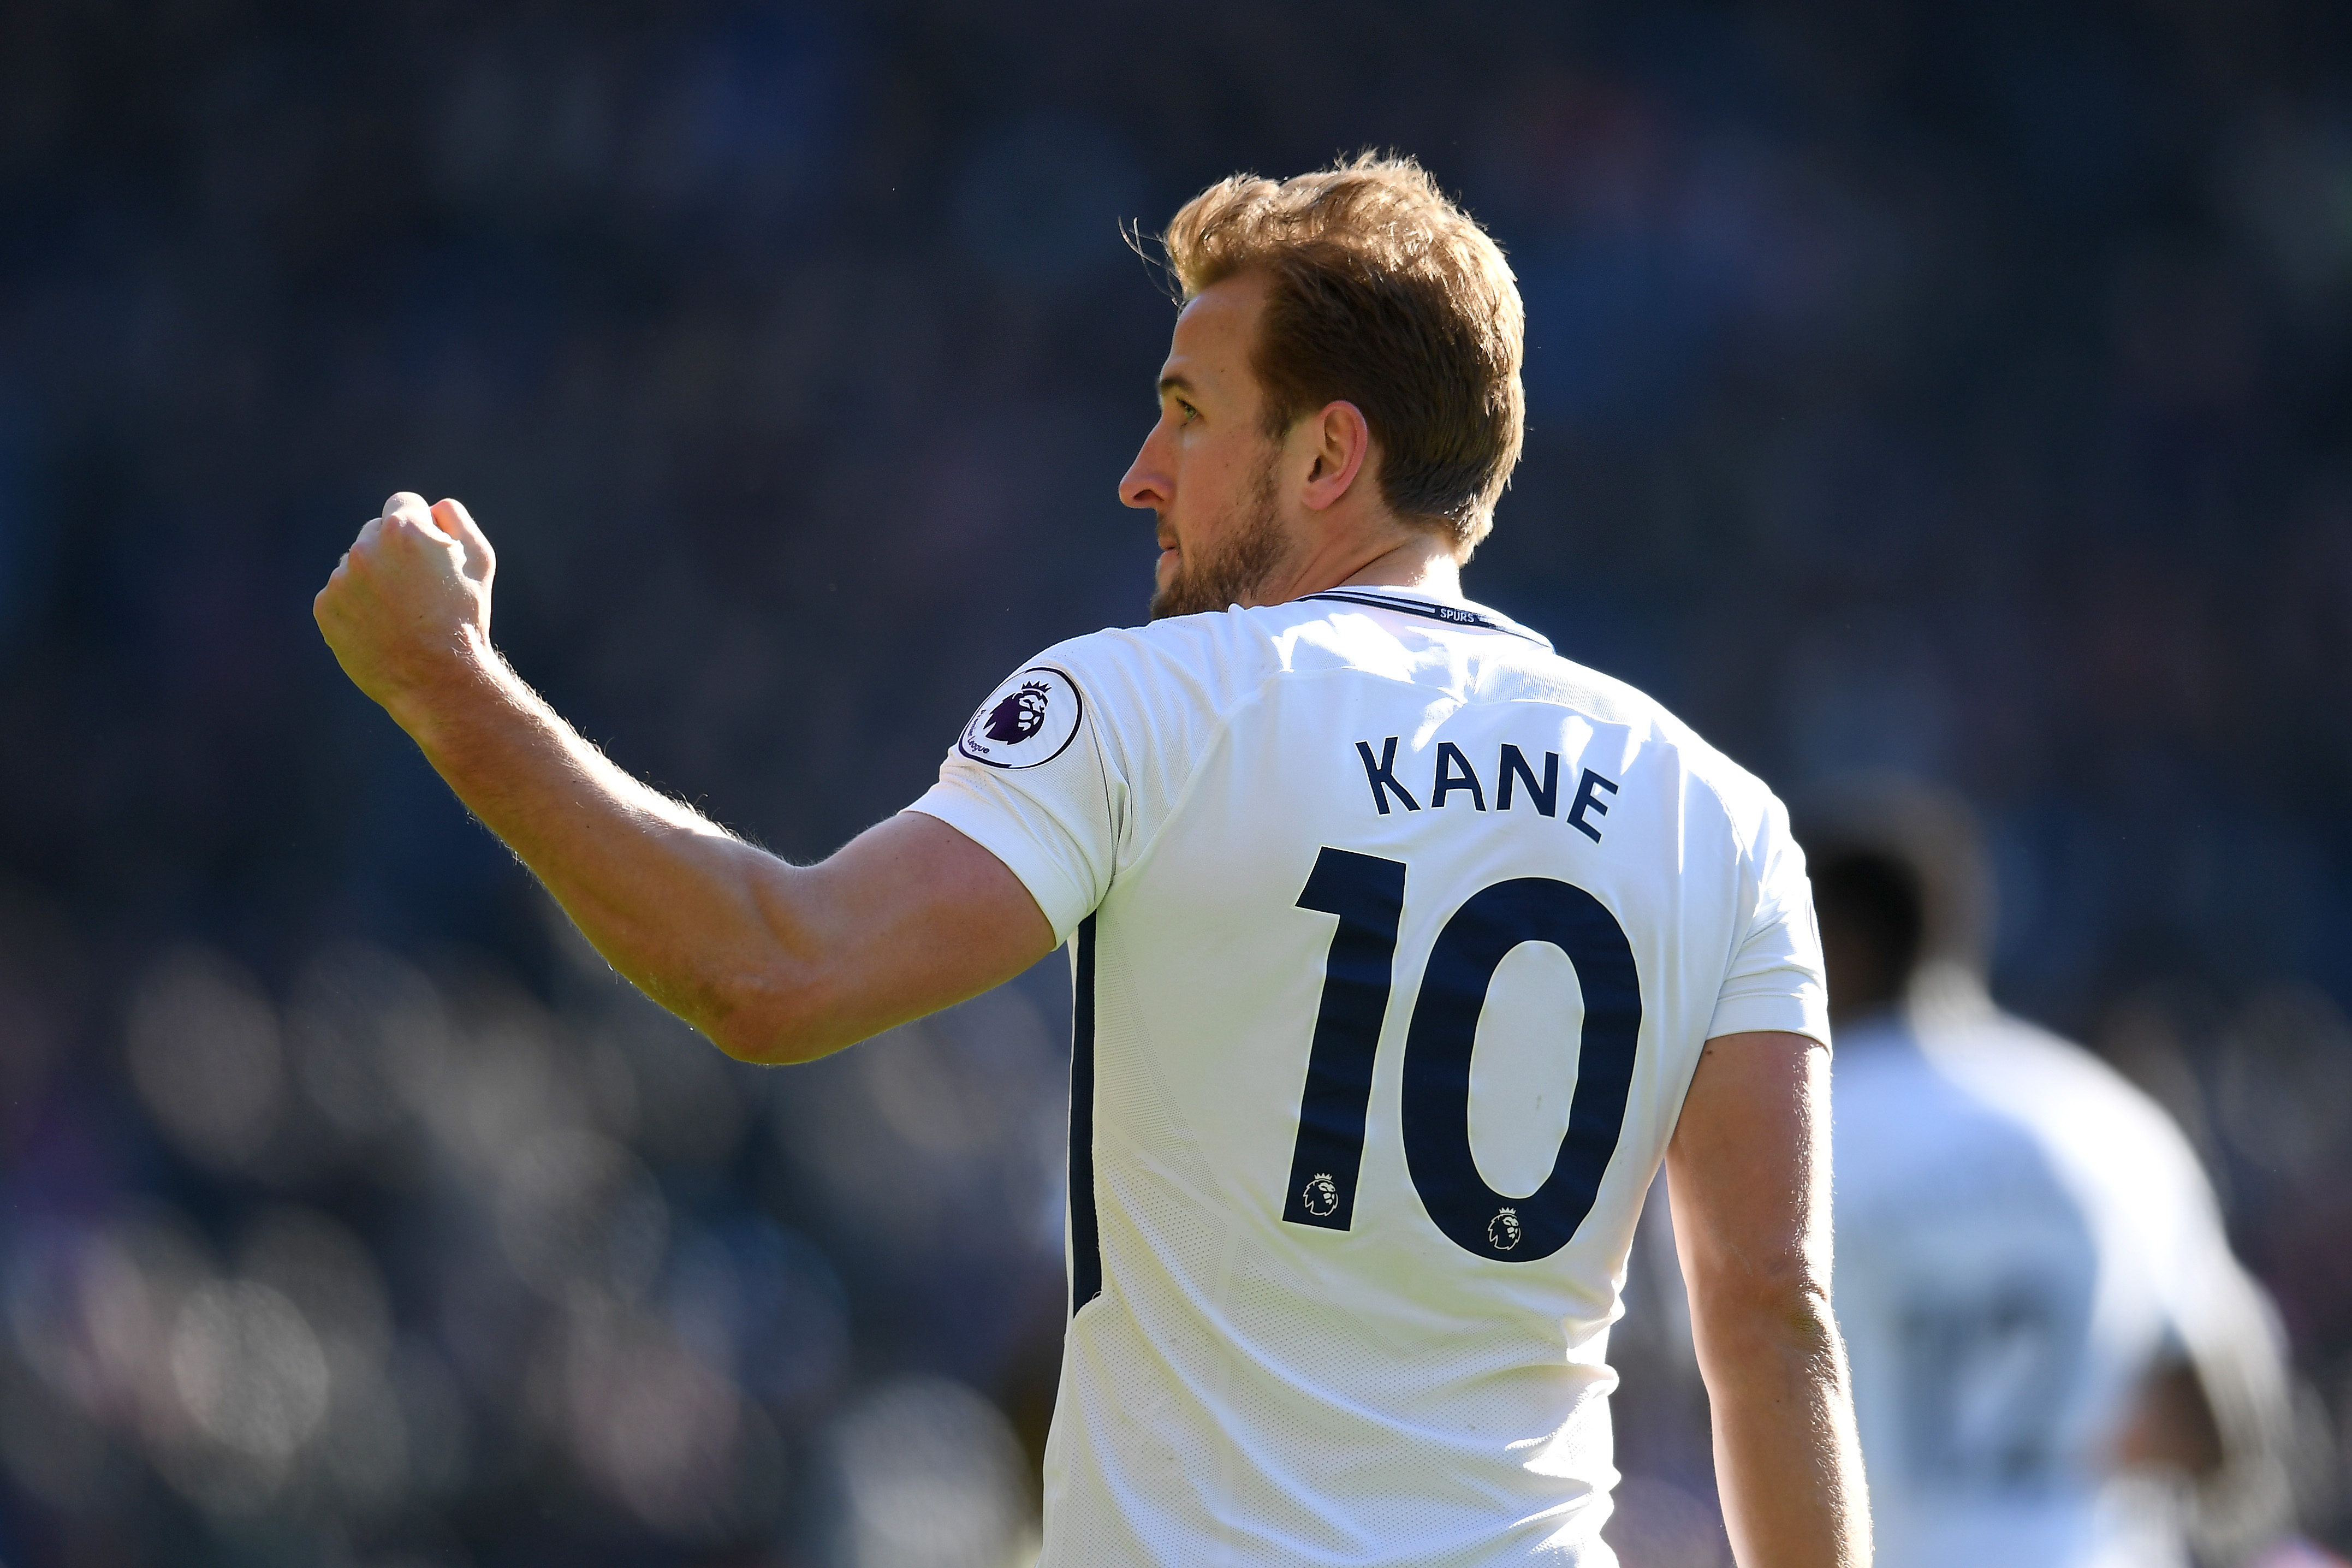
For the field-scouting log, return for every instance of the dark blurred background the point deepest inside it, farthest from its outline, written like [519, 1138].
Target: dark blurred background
[1956, 388]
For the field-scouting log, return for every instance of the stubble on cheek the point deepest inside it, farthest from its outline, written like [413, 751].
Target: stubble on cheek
[1242, 564]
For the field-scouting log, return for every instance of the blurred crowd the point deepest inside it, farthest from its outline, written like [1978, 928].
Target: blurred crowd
[1959, 389]
[415, 1258]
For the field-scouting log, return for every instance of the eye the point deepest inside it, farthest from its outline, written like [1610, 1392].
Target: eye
[1189, 411]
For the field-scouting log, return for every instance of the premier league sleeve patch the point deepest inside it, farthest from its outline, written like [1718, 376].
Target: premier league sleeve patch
[1030, 719]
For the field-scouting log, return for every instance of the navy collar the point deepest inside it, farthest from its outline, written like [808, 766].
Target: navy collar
[1430, 609]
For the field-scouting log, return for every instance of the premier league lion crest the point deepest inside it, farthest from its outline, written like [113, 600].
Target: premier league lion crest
[1321, 1196]
[1021, 715]
[1030, 719]
[1502, 1231]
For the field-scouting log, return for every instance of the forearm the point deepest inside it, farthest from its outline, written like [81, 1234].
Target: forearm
[1787, 1463]
[775, 963]
[696, 918]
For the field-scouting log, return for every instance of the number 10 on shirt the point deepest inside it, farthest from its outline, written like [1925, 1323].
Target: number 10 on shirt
[1367, 893]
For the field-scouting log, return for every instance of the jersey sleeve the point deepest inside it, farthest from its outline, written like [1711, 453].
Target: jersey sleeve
[1775, 980]
[1030, 779]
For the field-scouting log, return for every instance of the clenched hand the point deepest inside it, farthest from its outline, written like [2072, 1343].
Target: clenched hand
[410, 599]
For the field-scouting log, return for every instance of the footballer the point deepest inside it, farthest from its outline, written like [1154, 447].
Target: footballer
[1404, 950]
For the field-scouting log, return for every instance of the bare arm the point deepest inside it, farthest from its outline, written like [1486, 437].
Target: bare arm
[1748, 1173]
[774, 962]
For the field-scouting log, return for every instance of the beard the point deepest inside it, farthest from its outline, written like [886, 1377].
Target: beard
[1236, 568]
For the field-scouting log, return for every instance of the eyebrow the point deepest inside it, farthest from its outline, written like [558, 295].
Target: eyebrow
[1168, 383]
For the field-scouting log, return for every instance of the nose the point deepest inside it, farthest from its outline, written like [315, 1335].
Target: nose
[1147, 483]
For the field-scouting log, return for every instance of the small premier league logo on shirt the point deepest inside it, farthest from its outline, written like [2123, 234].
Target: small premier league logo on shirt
[1321, 1195]
[1021, 715]
[1502, 1230]
[1030, 719]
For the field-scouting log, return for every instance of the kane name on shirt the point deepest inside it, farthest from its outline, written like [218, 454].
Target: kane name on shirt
[1452, 773]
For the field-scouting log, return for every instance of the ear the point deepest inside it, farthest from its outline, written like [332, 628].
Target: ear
[1339, 441]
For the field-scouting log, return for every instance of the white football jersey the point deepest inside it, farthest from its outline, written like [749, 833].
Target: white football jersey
[2021, 1237]
[1395, 937]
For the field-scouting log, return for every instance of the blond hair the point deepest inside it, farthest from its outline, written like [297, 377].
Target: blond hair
[1386, 294]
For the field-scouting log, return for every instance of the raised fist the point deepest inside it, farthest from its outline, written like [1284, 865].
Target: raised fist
[410, 600]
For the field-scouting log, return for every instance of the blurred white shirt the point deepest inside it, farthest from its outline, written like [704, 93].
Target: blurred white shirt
[2022, 1237]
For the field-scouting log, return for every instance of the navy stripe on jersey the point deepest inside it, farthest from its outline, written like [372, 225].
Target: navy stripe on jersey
[1085, 1237]
[1452, 615]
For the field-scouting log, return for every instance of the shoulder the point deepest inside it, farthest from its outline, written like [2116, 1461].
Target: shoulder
[1139, 698]
[1652, 733]
[1491, 657]
[2014, 1059]
[1885, 1087]
[1715, 792]
[2072, 1098]
[1918, 1150]
[1200, 662]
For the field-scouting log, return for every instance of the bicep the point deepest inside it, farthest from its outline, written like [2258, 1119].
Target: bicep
[909, 917]
[1748, 1173]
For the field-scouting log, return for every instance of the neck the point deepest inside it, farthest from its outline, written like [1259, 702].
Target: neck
[1407, 559]
[1422, 560]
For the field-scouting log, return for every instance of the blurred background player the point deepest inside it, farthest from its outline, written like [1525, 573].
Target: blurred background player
[2056, 1358]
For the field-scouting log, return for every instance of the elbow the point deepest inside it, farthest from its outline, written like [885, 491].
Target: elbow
[764, 1040]
[749, 1039]
[1781, 1306]
[1801, 1317]
[767, 1020]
